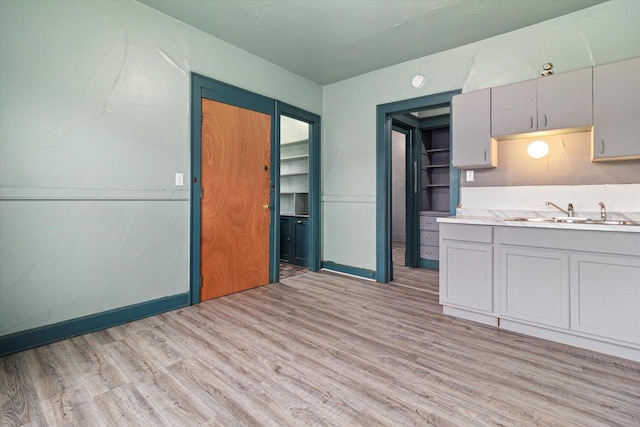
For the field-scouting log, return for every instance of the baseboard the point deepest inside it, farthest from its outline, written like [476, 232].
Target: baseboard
[429, 264]
[36, 337]
[347, 269]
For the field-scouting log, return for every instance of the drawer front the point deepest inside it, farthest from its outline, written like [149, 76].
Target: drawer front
[429, 238]
[430, 252]
[428, 223]
[466, 232]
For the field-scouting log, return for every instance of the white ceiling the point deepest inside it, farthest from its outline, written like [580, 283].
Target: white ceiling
[331, 40]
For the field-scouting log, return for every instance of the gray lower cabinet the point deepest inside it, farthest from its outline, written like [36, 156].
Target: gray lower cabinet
[429, 235]
[578, 287]
[605, 298]
[466, 266]
[294, 240]
[534, 285]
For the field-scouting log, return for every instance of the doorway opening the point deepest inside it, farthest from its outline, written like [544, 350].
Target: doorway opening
[431, 185]
[294, 196]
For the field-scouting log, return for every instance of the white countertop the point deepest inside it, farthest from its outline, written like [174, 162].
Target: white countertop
[503, 222]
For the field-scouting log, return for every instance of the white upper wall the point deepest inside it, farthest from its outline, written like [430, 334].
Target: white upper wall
[601, 34]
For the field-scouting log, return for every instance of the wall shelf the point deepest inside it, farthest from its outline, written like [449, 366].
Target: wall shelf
[294, 179]
[294, 158]
[436, 169]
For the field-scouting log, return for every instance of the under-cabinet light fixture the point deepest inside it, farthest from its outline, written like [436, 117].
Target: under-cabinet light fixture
[538, 149]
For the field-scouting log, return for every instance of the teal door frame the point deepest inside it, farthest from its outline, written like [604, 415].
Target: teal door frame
[384, 119]
[204, 87]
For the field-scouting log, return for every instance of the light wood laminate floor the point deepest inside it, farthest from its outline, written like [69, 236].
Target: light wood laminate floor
[316, 349]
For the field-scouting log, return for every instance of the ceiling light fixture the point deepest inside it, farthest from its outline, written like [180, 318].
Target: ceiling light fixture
[417, 81]
[538, 149]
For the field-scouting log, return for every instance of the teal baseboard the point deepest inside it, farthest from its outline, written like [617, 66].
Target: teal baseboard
[36, 337]
[347, 269]
[429, 264]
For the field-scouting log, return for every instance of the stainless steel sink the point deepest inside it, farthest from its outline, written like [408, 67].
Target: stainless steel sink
[612, 222]
[573, 220]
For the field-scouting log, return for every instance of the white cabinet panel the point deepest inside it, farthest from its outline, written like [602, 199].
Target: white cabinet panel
[534, 286]
[472, 146]
[616, 110]
[605, 296]
[466, 275]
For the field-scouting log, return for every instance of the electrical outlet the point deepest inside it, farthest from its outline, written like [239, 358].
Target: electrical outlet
[179, 179]
[469, 176]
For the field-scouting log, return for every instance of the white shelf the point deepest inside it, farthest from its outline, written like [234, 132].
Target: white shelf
[294, 158]
[294, 203]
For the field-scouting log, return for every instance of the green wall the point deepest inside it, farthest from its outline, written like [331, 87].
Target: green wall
[601, 34]
[94, 125]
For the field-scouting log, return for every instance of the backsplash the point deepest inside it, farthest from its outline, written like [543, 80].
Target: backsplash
[568, 163]
[622, 199]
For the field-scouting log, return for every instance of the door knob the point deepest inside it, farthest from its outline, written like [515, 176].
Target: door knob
[266, 206]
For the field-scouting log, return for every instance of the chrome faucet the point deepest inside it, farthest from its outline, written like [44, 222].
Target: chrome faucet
[603, 211]
[570, 211]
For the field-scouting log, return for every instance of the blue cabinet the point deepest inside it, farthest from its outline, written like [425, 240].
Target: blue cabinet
[294, 240]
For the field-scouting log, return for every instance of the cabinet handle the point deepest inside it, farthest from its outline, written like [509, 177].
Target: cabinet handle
[485, 155]
[429, 237]
[300, 222]
[531, 125]
[415, 177]
[545, 120]
[602, 146]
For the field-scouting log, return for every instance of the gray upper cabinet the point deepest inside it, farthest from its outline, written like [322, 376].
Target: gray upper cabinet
[616, 110]
[560, 101]
[514, 109]
[472, 146]
[565, 100]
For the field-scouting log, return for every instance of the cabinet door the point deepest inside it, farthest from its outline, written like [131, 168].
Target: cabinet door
[286, 239]
[616, 109]
[565, 100]
[605, 296]
[534, 286]
[514, 108]
[472, 146]
[300, 245]
[466, 275]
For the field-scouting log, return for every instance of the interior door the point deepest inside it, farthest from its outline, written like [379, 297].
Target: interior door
[235, 205]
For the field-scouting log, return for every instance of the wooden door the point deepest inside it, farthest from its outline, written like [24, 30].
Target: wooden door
[235, 212]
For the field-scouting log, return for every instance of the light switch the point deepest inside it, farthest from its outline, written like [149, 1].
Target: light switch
[179, 179]
[469, 176]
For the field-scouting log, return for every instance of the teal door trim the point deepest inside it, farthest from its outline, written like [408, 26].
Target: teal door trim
[204, 87]
[384, 113]
[313, 263]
